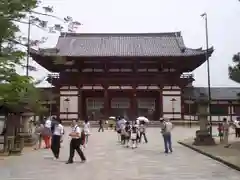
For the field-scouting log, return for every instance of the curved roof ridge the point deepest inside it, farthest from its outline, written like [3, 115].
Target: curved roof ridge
[167, 34]
[196, 49]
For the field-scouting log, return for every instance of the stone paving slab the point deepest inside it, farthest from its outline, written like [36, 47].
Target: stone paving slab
[228, 156]
[108, 160]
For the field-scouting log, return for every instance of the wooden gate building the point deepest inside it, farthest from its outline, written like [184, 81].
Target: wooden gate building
[104, 75]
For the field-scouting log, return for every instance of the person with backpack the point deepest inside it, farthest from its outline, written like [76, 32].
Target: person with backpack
[101, 128]
[127, 133]
[75, 143]
[166, 128]
[134, 135]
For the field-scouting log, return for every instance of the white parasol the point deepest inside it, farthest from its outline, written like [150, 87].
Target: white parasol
[112, 117]
[142, 118]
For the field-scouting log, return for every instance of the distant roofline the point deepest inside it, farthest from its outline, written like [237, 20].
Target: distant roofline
[167, 34]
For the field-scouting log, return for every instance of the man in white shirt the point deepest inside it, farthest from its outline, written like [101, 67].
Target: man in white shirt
[58, 132]
[237, 127]
[167, 127]
[75, 143]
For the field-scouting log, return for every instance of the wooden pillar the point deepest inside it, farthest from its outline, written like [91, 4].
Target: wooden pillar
[106, 103]
[230, 107]
[160, 102]
[157, 107]
[58, 101]
[134, 104]
[182, 103]
[80, 104]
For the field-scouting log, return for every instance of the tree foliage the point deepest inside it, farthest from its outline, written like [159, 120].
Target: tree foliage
[234, 71]
[16, 89]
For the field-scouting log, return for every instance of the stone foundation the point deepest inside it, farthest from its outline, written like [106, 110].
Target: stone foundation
[203, 138]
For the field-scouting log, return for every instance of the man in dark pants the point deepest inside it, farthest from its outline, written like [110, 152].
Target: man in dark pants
[56, 138]
[75, 143]
[101, 126]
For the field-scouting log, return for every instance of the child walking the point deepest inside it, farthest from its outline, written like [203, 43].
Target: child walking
[134, 134]
[220, 131]
[127, 133]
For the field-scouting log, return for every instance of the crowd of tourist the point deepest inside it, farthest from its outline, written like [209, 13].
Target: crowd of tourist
[51, 131]
[224, 128]
[129, 133]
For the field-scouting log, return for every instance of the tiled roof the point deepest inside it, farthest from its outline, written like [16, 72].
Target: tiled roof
[223, 93]
[147, 44]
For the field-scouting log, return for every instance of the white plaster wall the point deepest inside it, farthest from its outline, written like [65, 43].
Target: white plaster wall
[68, 87]
[70, 116]
[171, 87]
[2, 123]
[234, 117]
[69, 92]
[170, 116]
[167, 104]
[73, 104]
[188, 117]
[214, 118]
[171, 92]
[219, 118]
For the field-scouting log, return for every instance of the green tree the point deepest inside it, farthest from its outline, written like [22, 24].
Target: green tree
[234, 71]
[15, 90]
[18, 89]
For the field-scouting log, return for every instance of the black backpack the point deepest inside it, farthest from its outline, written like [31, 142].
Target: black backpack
[53, 126]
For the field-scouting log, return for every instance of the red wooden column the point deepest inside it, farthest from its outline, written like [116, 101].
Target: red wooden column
[106, 102]
[160, 105]
[133, 104]
[182, 103]
[157, 106]
[80, 103]
[58, 100]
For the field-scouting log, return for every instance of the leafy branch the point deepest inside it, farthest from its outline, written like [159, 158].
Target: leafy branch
[234, 71]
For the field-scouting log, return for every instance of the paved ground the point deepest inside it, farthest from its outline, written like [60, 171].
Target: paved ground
[228, 155]
[107, 160]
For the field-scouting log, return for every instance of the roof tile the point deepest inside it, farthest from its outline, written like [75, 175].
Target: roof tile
[223, 93]
[148, 44]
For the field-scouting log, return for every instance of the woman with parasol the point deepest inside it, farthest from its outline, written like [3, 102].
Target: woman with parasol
[142, 128]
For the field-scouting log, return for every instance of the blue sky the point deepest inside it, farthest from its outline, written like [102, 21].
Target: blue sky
[158, 16]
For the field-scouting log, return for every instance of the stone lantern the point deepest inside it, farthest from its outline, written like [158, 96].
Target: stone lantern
[203, 137]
